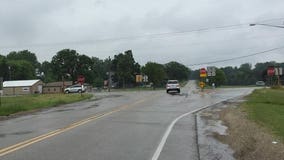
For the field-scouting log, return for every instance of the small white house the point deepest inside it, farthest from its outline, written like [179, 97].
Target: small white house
[22, 87]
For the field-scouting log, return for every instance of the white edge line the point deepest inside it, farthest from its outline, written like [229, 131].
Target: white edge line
[170, 127]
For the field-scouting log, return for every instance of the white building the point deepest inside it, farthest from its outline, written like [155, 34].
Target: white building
[22, 87]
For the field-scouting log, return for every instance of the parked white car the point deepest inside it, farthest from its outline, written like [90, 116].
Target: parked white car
[75, 89]
[260, 83]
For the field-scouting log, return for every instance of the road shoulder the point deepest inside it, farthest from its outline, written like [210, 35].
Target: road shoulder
[225, 132]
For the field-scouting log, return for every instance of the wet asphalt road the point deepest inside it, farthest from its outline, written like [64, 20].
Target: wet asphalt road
[115, 126]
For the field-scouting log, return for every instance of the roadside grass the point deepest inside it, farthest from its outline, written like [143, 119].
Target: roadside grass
[11, 105]
[266, 107]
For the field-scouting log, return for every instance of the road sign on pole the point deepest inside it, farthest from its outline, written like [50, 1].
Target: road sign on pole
[203, 73]
[278, 71]
[202, 84]
[145, 78]
[81, 79]
[211, 71]
[270, 71]
[139, 78]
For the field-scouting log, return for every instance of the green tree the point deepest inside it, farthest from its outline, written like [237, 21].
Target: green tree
[260, 70]
[246, 74]
[69, 64]
[85, 68]
[100, 69]
[21, 70]
[24, 55]
[155, 72]
[177, 71]
[230, 73]
[125, 68]
[194, 75]
[48, 74]
[23, 65]
[220, 77]
[65, 64]
[4, 71]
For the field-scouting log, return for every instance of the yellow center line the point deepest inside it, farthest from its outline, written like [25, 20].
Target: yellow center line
[15, 147]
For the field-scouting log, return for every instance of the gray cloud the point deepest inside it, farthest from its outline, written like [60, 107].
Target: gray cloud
[45, 27]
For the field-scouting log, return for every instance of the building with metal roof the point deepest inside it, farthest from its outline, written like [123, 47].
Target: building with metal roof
[22, 87]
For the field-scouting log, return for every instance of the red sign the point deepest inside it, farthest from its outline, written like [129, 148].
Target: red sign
[270, 71]
[81, 79]
[203, 72]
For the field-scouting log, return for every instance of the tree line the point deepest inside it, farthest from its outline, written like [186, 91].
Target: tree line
[246, 74]
[68, 64]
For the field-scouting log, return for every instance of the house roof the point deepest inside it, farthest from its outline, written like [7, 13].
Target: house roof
[20, 83]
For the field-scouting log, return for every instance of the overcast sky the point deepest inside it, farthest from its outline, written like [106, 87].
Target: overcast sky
[102, 28]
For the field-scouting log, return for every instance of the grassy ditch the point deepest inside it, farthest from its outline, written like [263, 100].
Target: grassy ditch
[266, 107]
[11, 105]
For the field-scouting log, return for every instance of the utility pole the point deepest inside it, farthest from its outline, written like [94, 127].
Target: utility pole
[109, 73]
[1, 88]
[9, 67]
[63, 83]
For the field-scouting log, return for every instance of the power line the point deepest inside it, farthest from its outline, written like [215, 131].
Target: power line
[240, 57]
[153, 35]
[269, 20]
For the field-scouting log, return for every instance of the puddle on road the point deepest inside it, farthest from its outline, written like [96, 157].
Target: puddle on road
[104, 96]
[90, 107]
[64, 110]
[2, 135]
[179, 94]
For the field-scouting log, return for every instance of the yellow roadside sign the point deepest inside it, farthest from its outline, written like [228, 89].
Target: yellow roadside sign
[139, 78]
[202, 84]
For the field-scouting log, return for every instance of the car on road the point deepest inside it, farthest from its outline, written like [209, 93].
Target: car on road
[260, 83]
[75, 89]
[173, 85]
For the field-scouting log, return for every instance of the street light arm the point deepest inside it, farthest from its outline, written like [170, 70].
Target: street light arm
[254, 24]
